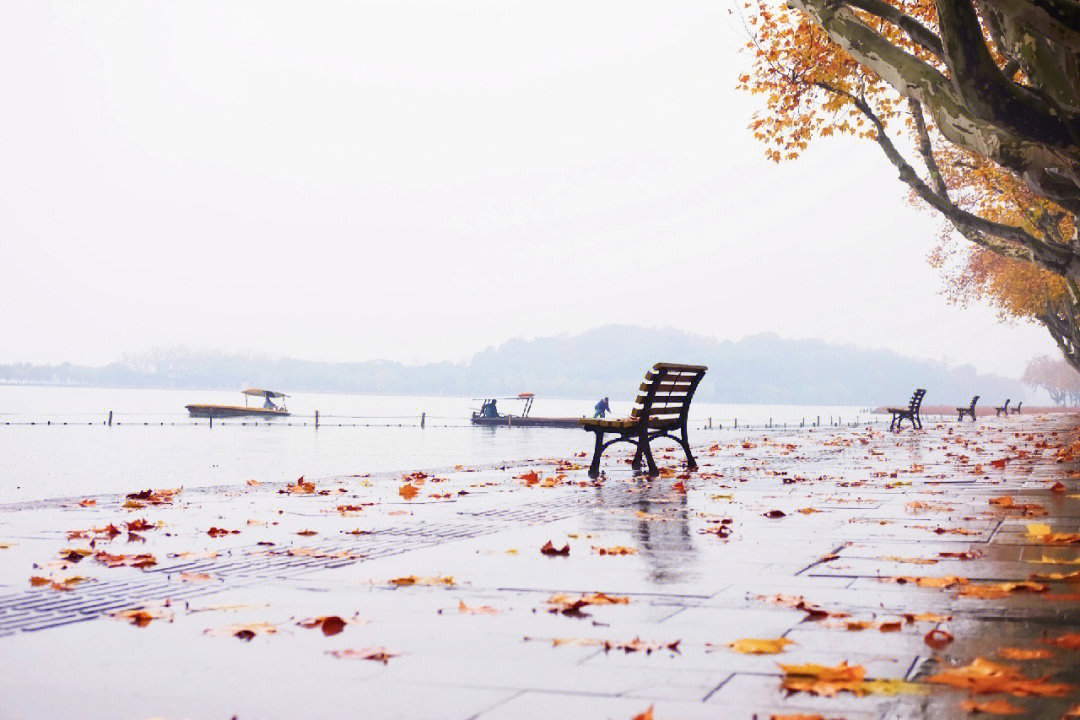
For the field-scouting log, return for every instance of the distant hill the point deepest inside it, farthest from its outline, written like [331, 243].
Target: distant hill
[609, 360]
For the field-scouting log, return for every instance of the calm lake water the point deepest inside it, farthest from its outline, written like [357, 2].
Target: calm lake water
[68, 450]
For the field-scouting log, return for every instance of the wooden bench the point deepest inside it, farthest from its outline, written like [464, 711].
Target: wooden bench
[969, 411]
[661, 409]
[911, 412]
[1016, 410]
[1003, 409]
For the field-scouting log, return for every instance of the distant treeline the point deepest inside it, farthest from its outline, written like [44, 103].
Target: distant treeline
[606, 361]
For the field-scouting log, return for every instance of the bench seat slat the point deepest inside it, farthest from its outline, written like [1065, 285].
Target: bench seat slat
[623, 423]
[665, 387]
[659, 407]
[699, 369]
[663, 400]
[636, 413]
[685, 374]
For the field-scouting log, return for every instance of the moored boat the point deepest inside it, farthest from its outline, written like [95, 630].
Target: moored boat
[268, 410]
[489, 415]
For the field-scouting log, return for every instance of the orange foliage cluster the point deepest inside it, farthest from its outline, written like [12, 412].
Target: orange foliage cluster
[808, 83]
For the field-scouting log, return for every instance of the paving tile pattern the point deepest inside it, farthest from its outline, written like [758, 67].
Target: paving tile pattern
[859, 506]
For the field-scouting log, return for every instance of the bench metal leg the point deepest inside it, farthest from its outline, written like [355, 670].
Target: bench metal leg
[644, 447]
[635, 464]
[594, 469]
[691, 463]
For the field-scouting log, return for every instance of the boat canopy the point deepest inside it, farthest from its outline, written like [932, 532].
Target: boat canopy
[519, 396]
[259, 392]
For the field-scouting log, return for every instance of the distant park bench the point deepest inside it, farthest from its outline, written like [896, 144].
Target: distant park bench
[911, 412]
[1003, 409]
[969, 411]
[661, 408]
[1016, 410]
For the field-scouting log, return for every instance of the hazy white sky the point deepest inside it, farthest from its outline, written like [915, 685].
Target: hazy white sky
[419, 180]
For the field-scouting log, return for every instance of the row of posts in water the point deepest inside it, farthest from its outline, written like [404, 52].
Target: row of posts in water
[816, 422]
[423, 419]
[802, 423]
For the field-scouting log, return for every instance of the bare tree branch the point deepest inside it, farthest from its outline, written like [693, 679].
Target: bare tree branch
[1006, 240]
[927, 150]
[1019, 151]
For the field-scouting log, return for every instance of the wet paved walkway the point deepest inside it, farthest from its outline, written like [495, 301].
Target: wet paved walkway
[853, 544]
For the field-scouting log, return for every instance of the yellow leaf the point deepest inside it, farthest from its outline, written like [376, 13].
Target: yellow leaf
[760, 646]
[843, 671]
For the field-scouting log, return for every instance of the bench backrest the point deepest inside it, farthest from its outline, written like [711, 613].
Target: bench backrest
[973, 401]
[667, 391]
[916, 400]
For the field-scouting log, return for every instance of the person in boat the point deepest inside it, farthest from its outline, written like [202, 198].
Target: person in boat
[602, 408]
[489, 410]
[269, 404]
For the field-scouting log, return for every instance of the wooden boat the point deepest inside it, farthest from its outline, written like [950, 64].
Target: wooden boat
[490, 416]
[268, 410]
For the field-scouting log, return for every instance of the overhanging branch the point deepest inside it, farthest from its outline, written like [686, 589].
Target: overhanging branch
[1006, 240]
[1025, 154]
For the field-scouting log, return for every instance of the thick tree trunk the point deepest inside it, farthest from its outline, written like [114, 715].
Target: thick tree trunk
[1062, 319]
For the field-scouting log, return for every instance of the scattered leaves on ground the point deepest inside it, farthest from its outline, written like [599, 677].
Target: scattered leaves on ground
[813, 612]
[991, 707]
[550, 550]
[632, 646]
[1041, 532]
[329, 624]
[141, 561]
[985, 676]
[244, 631]
[417, 580]
[142, 617]
[938, 639]
[615, 550]
[477, 609]
[1018, 653]
[571, 607]
[1068, 641]
[760, 646]
[60, 584]
[1000, 590]
[151, 497]
[378, 654]
[827, 681]
[300, 487]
